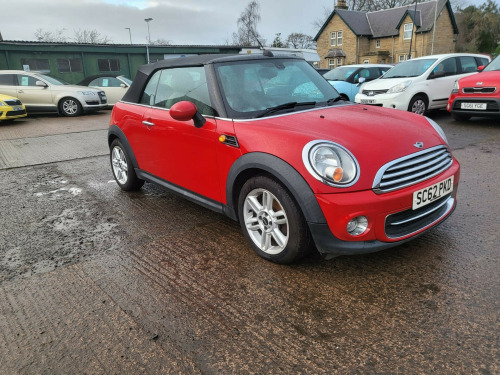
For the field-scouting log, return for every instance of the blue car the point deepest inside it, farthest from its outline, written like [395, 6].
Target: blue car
[347, 79]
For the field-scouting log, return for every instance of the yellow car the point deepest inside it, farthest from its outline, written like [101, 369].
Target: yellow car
[11, 108]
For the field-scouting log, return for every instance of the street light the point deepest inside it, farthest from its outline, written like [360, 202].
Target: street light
[149, 38]
[129, 34]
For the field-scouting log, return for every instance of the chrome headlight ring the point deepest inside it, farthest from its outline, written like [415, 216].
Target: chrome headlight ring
[438, 129]
[330, 163]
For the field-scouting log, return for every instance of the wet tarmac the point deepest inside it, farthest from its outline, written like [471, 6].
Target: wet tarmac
[98, 281]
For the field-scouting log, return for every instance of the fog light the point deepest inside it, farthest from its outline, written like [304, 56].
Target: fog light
[357, 226]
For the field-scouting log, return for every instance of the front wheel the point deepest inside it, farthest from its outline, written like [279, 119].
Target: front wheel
[418, 105]
[272, 221]
[70, 107]
[123, 170]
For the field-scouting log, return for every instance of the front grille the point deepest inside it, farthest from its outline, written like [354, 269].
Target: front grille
[412, 169]
[102, 97]
[12, 102]
[491, 105]
[16, 113]
[373, 92]
[478, 90]
[410, 221]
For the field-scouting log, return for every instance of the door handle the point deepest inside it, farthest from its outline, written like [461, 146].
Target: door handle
[147, 123]
[20, 91]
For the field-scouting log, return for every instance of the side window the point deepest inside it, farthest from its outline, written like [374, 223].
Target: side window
[179, 84]
[483, 61]
[23, 80]
[468, 64]
[446, 67]
[7, 80]
[148, 96]
[95, 82]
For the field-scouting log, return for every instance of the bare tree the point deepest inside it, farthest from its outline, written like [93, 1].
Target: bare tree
[90, 36]
[49, 36]
[161, 42]
[299, 40]
[247, 34]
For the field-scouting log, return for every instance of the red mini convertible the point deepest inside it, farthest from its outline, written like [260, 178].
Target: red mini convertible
[477, 95]
[269, 142]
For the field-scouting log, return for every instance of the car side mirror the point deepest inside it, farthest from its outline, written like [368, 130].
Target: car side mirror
[40, 84]
[361, 80]
[437, 74]
[480, 68]
[123, 85]
[185, 111]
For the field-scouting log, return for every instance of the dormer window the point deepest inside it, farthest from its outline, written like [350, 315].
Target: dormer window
[408, 29]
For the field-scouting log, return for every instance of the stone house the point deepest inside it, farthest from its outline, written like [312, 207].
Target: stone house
[386, 36]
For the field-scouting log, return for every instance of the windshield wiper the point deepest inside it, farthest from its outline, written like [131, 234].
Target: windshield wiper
[397, 77]
[280, 107]
[334, 100]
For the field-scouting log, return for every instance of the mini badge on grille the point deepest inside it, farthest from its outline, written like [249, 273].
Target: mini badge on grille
[419, 145]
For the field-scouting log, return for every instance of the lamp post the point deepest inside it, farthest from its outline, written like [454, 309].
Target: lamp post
[149, 38]
[129, 34]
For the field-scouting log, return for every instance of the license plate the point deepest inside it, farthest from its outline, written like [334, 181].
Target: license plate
[18, 108]
[428, 195]
[367, 101]
[479, 106]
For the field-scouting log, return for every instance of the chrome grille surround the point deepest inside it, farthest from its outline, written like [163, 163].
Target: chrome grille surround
[412, 169]
[478, 90]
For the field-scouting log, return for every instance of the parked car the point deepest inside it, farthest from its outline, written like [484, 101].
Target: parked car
[270, 143]
[41, 92]
[11, 108]
[477, 95]
[420, 84]
[114, 85]
[347, 79]
[322, 71]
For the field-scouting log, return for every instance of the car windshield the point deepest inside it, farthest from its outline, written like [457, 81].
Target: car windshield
[126, 80]
[257, 88]
[494, 65]
[54, 81]
[411, 68]
[340, 73]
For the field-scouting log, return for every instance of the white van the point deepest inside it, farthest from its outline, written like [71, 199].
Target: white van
[420, 84]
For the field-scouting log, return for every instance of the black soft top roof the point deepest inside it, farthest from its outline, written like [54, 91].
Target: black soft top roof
[133, 95]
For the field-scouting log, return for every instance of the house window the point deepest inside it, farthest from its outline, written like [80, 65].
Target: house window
[403, 58]
[42, 65]
[69, 65]
[339, 61]
[366, 61]
[333, 38]
[331, 63]
[339, 38]
[408, 31]
[108, 65]
[377, 43]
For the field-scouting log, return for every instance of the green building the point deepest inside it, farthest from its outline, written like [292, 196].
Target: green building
[73, 62]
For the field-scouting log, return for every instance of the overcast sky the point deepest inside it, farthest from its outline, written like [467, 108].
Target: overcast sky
[203, 22]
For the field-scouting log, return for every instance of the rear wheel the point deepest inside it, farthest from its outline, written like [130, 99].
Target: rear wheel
[123, 170]
[272, 221]
[418, 105]
[70, 107]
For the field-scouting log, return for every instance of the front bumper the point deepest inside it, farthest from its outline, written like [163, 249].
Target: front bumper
[395, 101]
[382, 211]
[9, 113]
[492, 106]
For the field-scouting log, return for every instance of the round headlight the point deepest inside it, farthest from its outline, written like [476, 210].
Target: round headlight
[330, 163]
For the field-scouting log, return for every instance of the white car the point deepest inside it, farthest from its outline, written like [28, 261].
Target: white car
[420, 84]
[114, 85]
[41, 92]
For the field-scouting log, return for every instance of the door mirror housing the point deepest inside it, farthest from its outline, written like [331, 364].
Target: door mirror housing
[185, 111]
[480, 68]
[361, 80]
[40, 84]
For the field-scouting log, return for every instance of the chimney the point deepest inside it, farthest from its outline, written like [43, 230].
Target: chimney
[341, 4]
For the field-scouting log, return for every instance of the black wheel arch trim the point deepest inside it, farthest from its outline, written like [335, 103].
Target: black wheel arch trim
[115, 132]
[284, 173]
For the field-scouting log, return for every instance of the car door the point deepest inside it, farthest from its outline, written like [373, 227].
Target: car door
[441, 82]
[112, 86]
[31, 94]
[179, 152]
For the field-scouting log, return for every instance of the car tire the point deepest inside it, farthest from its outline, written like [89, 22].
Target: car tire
[272, 221]
[70, 107]
[459, 117]
[418, 105]
[122, 168]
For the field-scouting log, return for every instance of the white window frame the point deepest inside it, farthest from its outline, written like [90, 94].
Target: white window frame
[340, 37]
[377, 43]
[331, 63]
[408, 31]
[333, 38]
[403, 58]
[339, 61]
[366, 61]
